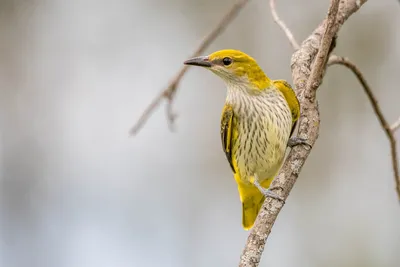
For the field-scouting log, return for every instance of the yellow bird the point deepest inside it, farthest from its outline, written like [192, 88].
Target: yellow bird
[257, 121]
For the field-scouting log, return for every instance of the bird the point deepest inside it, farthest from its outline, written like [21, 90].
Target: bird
[257, 121]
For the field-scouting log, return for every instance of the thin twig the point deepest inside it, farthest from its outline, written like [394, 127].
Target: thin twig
[285, 29]
[283, 26]
[377, 109]
[169, 92]
[396, 125]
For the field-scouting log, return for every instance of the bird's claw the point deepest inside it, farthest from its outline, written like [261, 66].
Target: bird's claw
[295, 141]
[272, 194]
[268, 192]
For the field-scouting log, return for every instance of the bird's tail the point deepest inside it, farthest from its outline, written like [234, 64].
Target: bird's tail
[252, 200]
[250, 208]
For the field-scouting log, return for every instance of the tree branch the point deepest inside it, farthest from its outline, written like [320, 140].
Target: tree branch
[315, 47]
[374, 102]
[331, 29]
[169, 92]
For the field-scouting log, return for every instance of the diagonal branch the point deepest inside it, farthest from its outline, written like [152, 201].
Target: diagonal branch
[169, 92]
[314, 49]
[377, 109]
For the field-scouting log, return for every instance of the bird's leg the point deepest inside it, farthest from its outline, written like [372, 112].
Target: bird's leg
[267, 192]
[295, 141]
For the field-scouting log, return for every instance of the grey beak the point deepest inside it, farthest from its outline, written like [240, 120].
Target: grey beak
[198, 61]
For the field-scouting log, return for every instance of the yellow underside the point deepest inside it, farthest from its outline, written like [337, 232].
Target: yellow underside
[250, 196]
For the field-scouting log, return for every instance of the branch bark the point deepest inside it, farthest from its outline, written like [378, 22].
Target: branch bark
[314, 49]
[169, 92]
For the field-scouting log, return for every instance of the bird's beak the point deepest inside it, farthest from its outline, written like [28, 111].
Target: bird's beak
[198, 61]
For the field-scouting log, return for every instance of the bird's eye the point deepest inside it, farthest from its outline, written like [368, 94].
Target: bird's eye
[227, 61]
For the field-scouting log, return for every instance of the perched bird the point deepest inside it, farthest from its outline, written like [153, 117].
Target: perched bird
[257, 121]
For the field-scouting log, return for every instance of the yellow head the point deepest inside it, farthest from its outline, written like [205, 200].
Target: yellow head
[233, 66]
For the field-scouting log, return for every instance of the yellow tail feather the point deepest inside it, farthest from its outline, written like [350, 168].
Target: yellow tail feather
[252, 200]
[250, 208]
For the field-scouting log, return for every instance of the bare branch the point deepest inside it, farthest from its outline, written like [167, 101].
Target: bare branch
[169, 92]
[374, 102]
[306, 82]
[396, 125]
[283, 26]
[320, 61]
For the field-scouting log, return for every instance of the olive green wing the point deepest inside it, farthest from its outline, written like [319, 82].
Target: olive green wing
[227, 133]
[291, 99]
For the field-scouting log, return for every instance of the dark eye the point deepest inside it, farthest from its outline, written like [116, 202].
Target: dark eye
[227, 61]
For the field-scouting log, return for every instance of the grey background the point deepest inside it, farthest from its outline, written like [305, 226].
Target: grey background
[77, 191]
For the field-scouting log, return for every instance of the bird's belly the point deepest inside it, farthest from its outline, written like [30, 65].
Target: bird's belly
[260, 151]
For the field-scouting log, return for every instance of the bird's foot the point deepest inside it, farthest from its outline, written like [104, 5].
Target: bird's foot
[268, 192]
[295, 141]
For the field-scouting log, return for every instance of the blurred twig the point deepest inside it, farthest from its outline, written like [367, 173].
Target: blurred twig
[169, 92]
[308, 64]
[384, 123]
[283, 26]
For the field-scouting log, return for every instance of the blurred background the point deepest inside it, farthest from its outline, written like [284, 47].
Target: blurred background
[76, 190]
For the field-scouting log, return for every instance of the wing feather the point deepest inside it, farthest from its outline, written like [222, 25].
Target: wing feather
[291, 99]
[226, 133]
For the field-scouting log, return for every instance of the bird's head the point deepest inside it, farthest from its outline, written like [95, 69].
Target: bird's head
[234, 67]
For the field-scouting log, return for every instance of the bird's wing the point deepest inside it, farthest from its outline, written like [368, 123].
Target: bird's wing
[227, 132]
[291, 99]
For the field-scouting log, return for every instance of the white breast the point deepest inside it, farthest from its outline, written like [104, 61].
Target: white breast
[264, 125]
